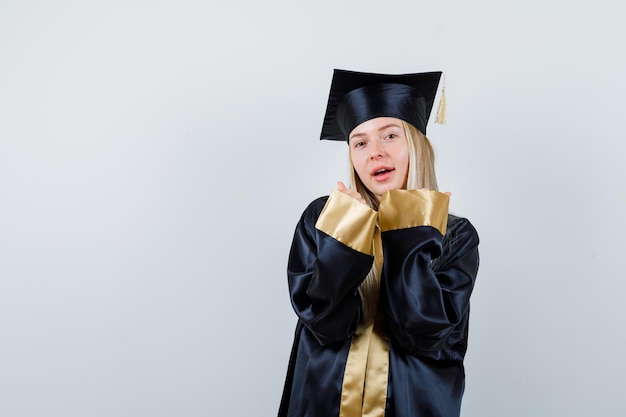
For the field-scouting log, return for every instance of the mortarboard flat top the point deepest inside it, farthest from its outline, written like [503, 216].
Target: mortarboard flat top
[356, 97]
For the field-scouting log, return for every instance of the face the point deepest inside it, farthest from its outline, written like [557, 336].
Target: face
[380, 154]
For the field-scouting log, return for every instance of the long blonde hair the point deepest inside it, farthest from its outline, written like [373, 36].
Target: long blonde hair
[421, 166]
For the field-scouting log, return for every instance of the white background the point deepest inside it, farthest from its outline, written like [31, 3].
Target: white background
[155, 157]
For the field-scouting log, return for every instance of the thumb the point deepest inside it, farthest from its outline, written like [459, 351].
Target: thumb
[341, 186]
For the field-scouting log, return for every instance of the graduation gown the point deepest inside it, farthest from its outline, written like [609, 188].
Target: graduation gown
[428, 273]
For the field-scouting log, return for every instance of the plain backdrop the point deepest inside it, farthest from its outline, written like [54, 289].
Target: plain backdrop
[155, 157]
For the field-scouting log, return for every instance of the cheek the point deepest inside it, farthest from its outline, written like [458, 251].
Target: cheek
[358, 164]
[404, 163]
[403, 159]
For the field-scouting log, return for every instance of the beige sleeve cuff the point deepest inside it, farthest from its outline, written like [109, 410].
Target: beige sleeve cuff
[349, 221]
[401, 209]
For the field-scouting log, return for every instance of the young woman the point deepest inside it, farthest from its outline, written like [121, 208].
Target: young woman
[380, 275]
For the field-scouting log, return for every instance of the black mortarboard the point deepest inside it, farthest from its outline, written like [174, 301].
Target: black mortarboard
[356, 97]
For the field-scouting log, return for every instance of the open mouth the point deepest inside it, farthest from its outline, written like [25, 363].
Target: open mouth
[382, 171]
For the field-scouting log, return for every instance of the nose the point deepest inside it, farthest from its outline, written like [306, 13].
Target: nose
[376, 149]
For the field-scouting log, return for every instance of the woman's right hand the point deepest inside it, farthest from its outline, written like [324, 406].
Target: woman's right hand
[349, 191]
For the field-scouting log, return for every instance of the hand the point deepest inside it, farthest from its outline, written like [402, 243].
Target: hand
[352, 193]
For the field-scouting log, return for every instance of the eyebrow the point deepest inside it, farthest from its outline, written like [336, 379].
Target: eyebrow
[387, 126]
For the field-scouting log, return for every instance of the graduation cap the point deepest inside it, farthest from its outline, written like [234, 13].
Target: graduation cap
[356, 97]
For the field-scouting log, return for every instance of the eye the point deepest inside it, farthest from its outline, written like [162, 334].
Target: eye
[359, 144]
[391, 136]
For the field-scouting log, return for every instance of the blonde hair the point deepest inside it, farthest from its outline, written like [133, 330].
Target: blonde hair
[421, 166]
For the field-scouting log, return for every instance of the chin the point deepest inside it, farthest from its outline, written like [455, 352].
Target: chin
[381, 192]
[390, 188]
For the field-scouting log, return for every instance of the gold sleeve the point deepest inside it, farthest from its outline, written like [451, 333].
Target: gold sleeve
[349, 221]
[401, 209]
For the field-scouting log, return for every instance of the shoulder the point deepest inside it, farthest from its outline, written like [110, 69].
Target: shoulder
[317, 204]
[460, 226]
[461, 239]
[312, 212]
[315, 207]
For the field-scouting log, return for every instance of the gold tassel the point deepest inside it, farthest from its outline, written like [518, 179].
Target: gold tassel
[441, 110]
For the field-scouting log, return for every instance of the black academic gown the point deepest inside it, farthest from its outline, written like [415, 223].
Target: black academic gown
[425, 289]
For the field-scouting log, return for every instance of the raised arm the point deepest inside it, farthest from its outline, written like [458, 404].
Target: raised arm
[430, 267]
[330, 256]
